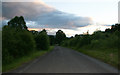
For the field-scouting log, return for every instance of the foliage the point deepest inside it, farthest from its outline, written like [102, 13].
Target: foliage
[19, 42]
[99, 39]
[99, 42]
[16, 44]
[17, 23]
[52, 39]
[60, 36]
[42, 40]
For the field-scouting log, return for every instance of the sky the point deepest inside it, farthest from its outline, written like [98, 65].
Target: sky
[119, 12]
[71, 16]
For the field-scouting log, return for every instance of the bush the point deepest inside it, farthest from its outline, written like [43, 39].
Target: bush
[17, 41]
[16, 44]
[99, 39]
[42, 41]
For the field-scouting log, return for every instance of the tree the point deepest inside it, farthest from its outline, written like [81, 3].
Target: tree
[108, 30]
[42, 40]
[114, 28]
[18, 23]
[60, 36]
[52, 39]
[17, 41]
[34, 32]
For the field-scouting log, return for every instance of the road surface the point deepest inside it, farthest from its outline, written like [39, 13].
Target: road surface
[64, 60]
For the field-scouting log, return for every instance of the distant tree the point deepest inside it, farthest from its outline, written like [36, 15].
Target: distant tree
[18, 23]
[98, 35]
[114, 28]
[44, 31]
[76, 35]
[108, 30]
[99, 40]
[34, 32]
[71, 37]
[60, 36]
[42, 40]
[52, 39]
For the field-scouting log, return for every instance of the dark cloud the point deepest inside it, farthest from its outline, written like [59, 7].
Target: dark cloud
[40, 15]
[30, 10]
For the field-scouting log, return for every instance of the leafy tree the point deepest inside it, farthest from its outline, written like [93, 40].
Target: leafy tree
[34, 32]
[99, 35]
[113, 28]
[60, 36]
[18, 23]
[108, 30]
[52, 39]
[42, 40]
[16, 43]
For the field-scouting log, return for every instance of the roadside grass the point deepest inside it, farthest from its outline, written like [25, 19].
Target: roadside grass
[25, 59]
[109, 56]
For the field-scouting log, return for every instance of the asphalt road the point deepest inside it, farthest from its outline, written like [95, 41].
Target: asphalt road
[64, 60]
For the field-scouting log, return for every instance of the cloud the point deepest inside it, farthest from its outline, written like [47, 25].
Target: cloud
[107, 25]
[65, 1]
[72, 32]
[40, 15]
[21, 1]
[30, 10]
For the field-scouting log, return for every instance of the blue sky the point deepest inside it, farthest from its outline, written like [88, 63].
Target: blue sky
[101, 11]
[71, 16]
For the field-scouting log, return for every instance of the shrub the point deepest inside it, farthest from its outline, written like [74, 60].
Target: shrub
[42, 41]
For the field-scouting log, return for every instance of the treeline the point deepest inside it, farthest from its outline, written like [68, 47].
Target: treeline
[99, 39]
[18, 41]
[103, 45]
[58, 38]
[53, 39]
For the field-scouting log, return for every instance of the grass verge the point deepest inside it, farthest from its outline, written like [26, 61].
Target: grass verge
[18, 62]
[109, 56]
